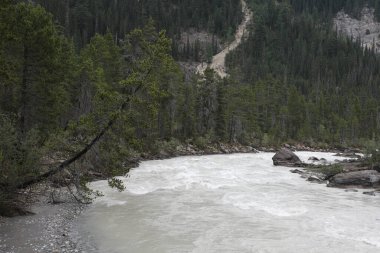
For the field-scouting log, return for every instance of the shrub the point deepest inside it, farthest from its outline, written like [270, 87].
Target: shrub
[166, 146]
[372, 153]
[18, 161]
[327, 170]
[202, 142]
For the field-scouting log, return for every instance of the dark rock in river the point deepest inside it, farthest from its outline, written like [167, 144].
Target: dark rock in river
[313, 158]
[285, 157]
[349, 155]
[316, 179]
[370, 193]
[365, 178]
[351, 190]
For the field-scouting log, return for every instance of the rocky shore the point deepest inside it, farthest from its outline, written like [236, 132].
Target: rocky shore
[351, 173]
[48, 229]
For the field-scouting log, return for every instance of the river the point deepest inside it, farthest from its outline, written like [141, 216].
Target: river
[229, 203]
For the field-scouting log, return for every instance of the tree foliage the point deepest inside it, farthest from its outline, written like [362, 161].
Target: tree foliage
[312, 83]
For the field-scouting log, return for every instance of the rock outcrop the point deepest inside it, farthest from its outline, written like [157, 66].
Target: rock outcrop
[365, 29]
[364, 178]
[285, 157]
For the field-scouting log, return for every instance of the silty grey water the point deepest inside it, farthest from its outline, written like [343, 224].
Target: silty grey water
[229, 203]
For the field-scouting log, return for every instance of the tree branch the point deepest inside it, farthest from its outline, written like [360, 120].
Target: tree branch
[84, 151]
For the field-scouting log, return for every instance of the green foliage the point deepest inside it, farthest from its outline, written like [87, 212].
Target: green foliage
[35, 69]
[169, 147]
[328, 170]
[308, 82]
[117, 184]
[372, 152]
[82, 19]
[18, 159]
[202, 142]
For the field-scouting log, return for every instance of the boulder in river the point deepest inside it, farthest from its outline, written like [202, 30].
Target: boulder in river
[316, 179]
[285, 157]
[365, 178]
[352, 155]
[296, 171]
[371, 193]
[313, 159]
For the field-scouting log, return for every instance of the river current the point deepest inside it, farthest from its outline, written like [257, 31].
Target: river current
[229, 203]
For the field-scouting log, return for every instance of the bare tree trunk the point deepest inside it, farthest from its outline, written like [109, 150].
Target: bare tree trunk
[24, 92]
[67, 17]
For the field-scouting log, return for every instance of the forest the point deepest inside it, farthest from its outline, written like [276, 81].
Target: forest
[313, 83]
[99, 81]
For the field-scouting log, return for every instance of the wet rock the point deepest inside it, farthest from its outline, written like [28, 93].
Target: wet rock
[296, 171]
[13, 210]
[95, 174]
[365, 178]
[372, 193]
[352, 155]
[376, 167]
[351, 190]
[315, 179]
[313, 158]
[285, 157]
[163, 154]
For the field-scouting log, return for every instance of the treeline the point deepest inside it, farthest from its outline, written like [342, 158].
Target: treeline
[82, 19]
[308, 83]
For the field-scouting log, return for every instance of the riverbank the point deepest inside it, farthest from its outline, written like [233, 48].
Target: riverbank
[49, 227]
[349, 171]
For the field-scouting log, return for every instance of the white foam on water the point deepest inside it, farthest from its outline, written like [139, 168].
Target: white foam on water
[230, 203]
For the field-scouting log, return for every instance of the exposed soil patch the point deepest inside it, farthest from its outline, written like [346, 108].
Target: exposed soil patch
[219, 60]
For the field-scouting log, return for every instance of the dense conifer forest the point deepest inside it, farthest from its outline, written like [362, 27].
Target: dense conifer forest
[312, 83]
[98, 81]
[82, 19]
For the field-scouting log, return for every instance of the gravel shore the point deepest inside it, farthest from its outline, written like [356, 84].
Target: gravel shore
[50, 229]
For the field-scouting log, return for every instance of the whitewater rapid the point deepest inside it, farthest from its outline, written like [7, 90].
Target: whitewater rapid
[229, 203]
